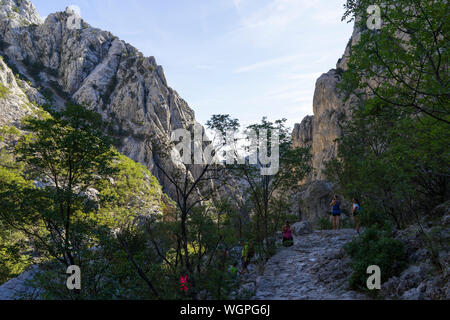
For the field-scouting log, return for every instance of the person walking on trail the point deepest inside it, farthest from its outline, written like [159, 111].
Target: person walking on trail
[335, 206]
[288, 241]
[356, 208]
[247, 254]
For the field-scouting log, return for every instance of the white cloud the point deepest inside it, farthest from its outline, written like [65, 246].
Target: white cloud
[265, 22]
[277, 14]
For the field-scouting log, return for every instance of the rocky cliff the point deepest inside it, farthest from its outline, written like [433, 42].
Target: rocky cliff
[90, 67]
[330, 110]
[14, 103]
[319, 132]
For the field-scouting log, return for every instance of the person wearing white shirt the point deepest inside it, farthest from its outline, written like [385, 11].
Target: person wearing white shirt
[355, 211]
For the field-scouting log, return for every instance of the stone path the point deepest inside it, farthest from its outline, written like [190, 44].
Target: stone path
[314, 268]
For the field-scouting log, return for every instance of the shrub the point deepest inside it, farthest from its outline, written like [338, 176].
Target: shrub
[375, 247]
[370, 216]
[324, 223]
[4, 91]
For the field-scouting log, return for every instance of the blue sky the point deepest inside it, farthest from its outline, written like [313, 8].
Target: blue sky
[246, 58]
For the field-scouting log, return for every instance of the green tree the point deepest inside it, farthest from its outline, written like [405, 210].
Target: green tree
[267, 194]
[393, 154]
[404, 63]
[64, 154]
[393, 151]
[376, 246]
[14, 246]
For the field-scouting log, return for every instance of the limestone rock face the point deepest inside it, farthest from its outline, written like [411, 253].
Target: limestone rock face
[302, 228]
[320, 133]
[14, 103]
[19, 287]
[330, 111]
[302, 136]
[19, 12]
[93, 68]
[312, 202]
[422, 279]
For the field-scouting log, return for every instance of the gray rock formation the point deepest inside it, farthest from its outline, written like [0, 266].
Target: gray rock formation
[302, 136]
[93, 68]
[18, 287]
[301, 228]
[423, 279]
[313, 200]
[319, 133]
[14, 103]
[330, 111]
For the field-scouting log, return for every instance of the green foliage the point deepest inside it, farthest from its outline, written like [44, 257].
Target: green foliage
[408, 56]
[324, 223]
[65, 153]
[375, 246]
[14, 257]
[4, 91]
[267, 195]
[131, 186]
[107, 234]
[393, 155]
[14, 246]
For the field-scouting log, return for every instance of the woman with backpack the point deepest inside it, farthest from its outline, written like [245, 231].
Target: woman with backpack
[335, 206]
[356, 210]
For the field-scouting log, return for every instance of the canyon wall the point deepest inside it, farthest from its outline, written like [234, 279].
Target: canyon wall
[93, 68]
[319, 132]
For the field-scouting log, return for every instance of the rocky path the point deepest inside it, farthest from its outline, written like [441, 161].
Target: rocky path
[314, 268]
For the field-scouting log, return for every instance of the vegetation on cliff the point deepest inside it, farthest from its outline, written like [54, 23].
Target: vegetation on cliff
[393, 154]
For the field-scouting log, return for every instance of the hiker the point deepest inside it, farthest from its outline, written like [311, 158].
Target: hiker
[247, 254]
[356, 210]
[336, 212]
[288, 241]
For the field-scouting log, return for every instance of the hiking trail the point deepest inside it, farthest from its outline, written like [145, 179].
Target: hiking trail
[314, 268]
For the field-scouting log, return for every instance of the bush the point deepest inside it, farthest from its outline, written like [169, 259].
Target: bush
[375, 247]
[4, 91]
[371, 217]
[324, 223]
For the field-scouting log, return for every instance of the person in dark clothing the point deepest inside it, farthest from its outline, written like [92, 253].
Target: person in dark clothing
[335, 206]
